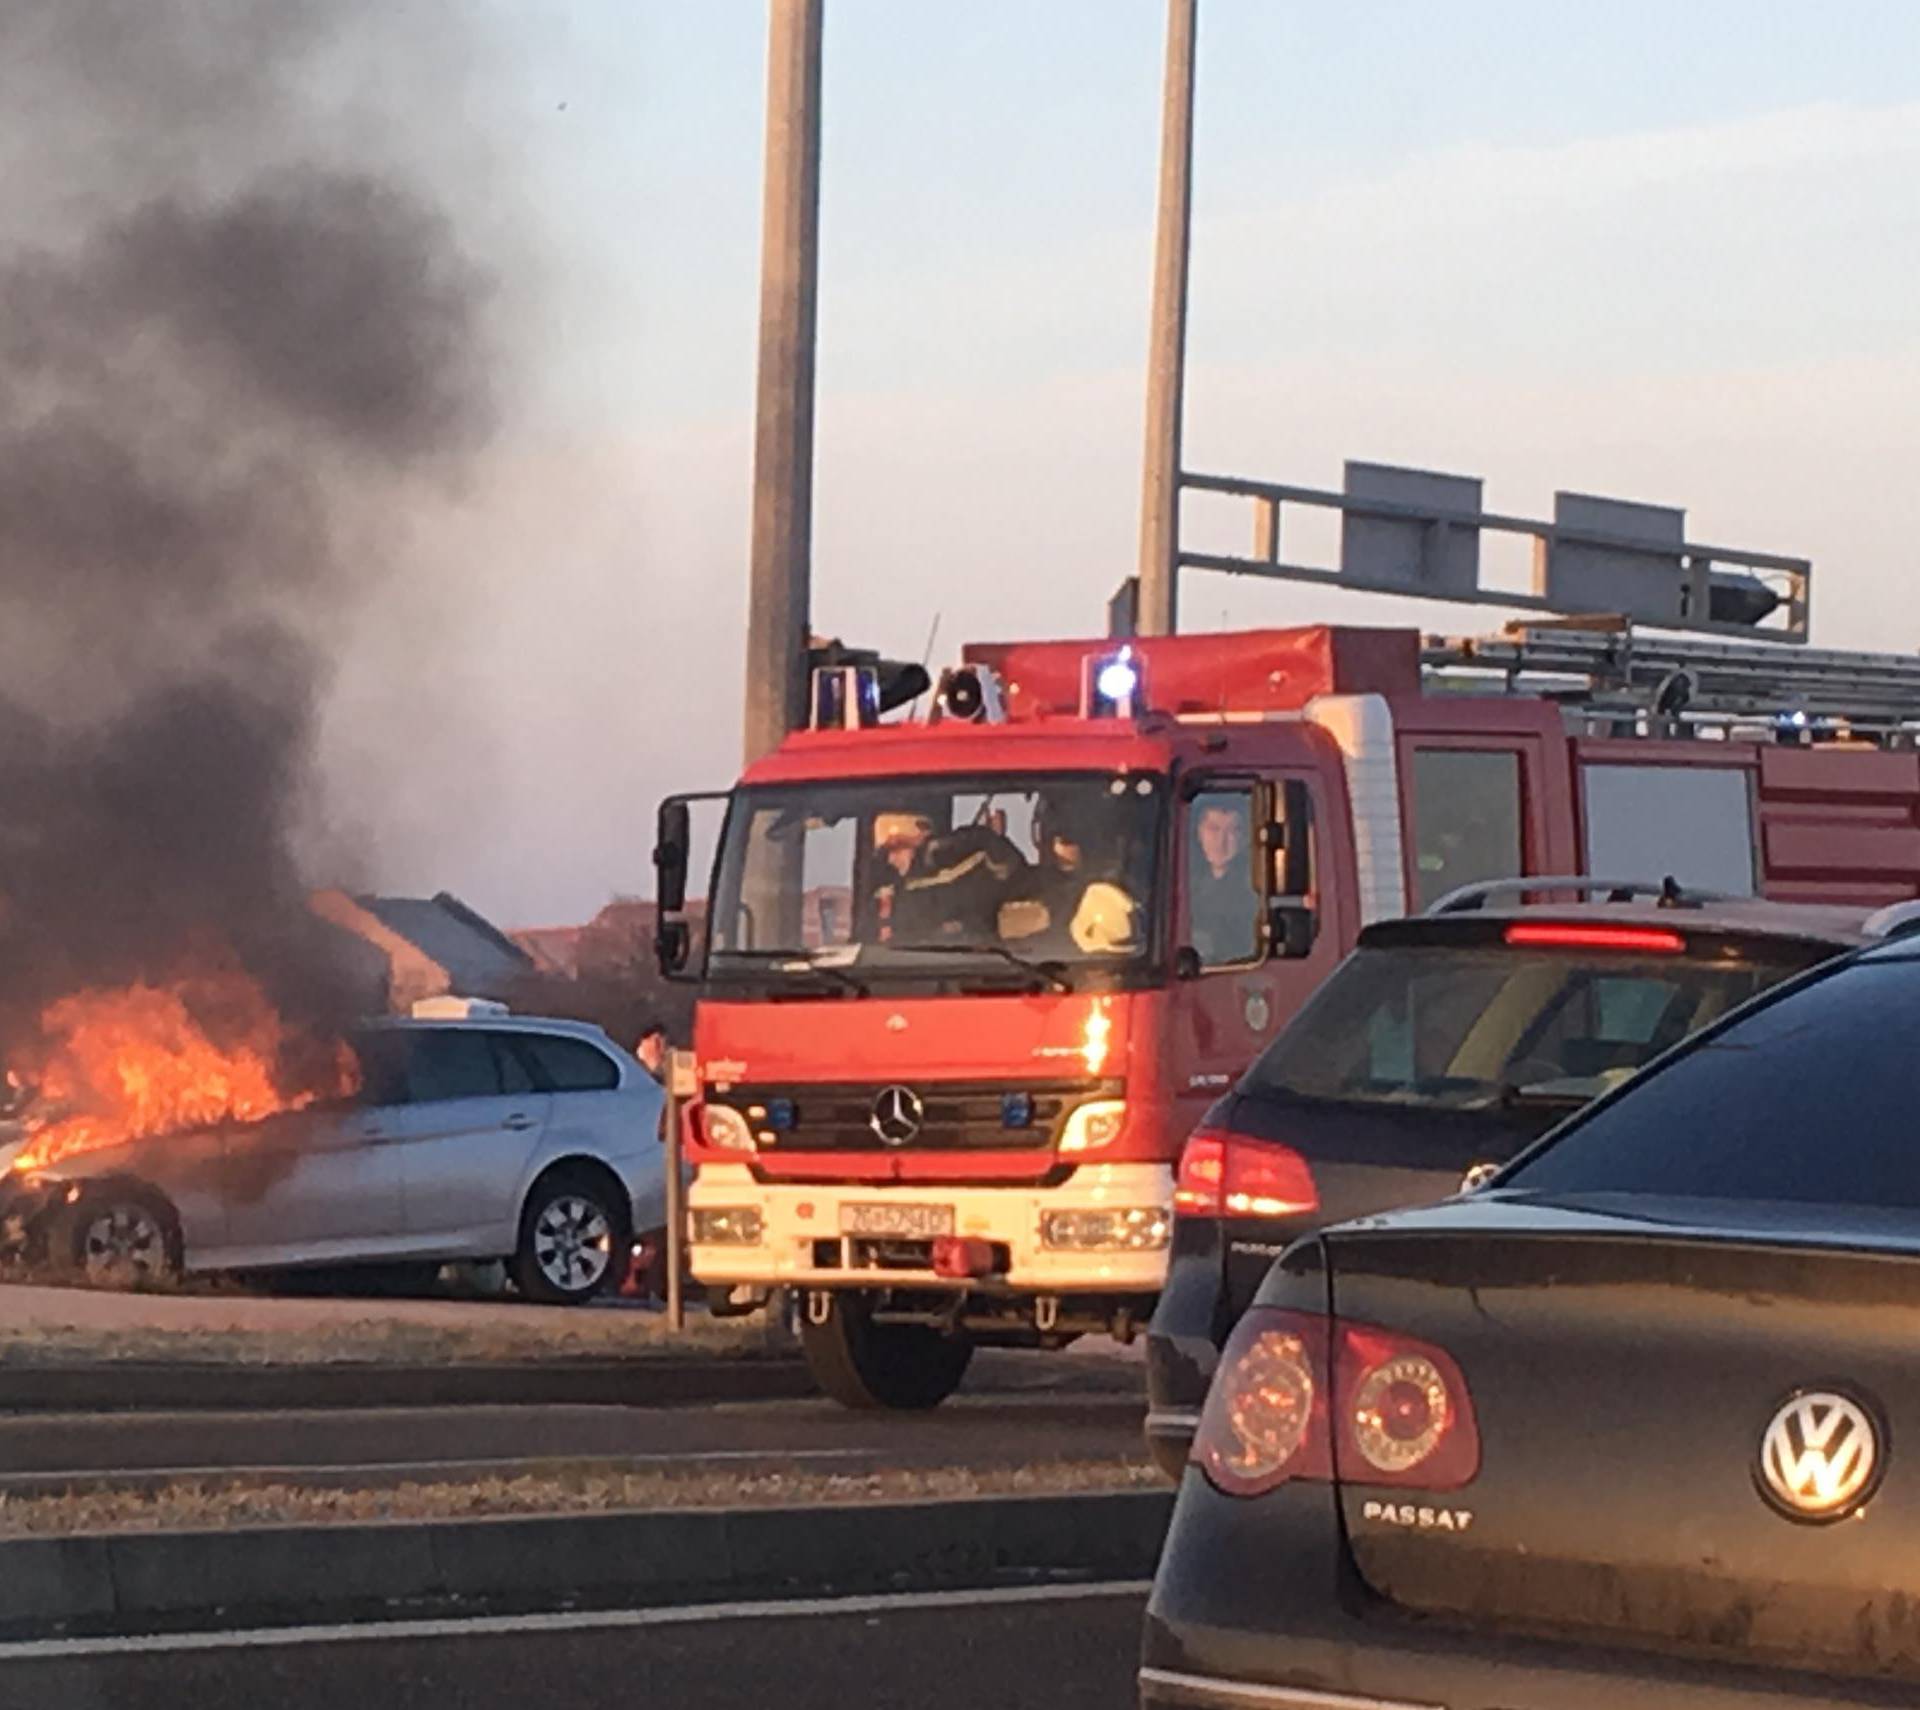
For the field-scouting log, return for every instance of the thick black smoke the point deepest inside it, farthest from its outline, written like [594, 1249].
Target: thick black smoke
[218, 391]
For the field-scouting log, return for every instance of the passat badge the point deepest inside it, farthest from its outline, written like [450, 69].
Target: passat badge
[1821, 1456]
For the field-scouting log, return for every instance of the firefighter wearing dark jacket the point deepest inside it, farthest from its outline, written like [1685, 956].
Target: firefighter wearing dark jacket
[1075, 898]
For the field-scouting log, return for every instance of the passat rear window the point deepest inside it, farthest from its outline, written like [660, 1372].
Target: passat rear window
[1811, 1098]
[1471, 1025]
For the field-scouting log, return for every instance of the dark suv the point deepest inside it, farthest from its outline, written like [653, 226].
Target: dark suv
[1436, 1051]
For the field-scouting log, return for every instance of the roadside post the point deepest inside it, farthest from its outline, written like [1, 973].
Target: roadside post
[683, 1084]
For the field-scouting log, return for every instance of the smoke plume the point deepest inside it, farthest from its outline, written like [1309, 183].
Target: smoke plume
[234, 343]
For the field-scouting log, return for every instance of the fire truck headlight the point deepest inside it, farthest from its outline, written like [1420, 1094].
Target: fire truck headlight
[728, 1226]
[1129, 1229]
[1094, 1125]
[725, 1128]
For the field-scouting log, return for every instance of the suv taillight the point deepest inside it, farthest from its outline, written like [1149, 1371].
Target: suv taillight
[1223, 1174]
[1300, 1395]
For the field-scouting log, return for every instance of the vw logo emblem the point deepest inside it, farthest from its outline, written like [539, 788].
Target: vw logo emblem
[897, 1115]
[1821, 1456]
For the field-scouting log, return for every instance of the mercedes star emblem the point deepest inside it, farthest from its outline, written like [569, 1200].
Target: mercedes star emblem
[897, 1115]
[1820, 1457]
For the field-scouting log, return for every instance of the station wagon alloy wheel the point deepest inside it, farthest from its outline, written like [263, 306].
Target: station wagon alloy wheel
[572, 1243]
[121, 1243]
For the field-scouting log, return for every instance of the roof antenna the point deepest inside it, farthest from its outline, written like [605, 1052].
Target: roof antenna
[926, 663]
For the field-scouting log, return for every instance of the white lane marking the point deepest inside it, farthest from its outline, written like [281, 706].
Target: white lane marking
[566, 1621]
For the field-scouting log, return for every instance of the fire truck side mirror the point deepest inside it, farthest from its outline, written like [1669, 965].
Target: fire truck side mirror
[1292, 840]
[1291, 929]
[672, 842]
[672, 846]
[1291, 924]
[672, 942]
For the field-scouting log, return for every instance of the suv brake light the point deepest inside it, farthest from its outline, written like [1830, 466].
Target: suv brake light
[1301, 1395]
[1223, 1174]
[1550, 935]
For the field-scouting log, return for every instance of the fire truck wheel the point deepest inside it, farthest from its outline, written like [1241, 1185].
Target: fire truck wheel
[117, 1237]
[576, 1235]
[866, 1366]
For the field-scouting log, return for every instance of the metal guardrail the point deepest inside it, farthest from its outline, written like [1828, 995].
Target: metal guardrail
[1411, 532]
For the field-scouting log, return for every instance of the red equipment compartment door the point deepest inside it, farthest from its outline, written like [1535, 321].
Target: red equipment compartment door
[1485, 793]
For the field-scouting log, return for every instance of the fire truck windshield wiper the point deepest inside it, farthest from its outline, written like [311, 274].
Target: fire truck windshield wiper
[1053, 973]
[797, 962]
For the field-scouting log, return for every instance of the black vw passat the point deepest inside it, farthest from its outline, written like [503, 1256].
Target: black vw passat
[1443, 1044]
[1633, 1425]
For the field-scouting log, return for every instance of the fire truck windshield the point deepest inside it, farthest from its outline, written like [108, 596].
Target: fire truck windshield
[876, 877]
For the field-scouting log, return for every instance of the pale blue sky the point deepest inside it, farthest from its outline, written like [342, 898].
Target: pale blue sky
[1661, 251]
[960, 134]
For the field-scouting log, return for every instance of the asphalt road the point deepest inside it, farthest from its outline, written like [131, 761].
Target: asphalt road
[375, 1446]
[957, 1651]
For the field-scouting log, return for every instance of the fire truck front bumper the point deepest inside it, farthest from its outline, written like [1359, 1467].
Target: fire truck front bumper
[1104, 1231]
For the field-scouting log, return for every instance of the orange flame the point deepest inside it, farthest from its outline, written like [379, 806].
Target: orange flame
[143, 1060]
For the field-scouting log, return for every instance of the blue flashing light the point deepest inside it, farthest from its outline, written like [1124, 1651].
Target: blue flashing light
[1118, 679]
[781, 1115]
[1016, 1110]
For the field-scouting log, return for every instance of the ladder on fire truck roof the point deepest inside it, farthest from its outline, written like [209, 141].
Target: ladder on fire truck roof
[1612, 673]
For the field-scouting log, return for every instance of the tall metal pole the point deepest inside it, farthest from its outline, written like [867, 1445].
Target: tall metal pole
[780, 594]
[683, 1082]
[1167, 339]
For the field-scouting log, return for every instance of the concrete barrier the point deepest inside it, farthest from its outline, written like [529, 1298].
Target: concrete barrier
[136, 1582]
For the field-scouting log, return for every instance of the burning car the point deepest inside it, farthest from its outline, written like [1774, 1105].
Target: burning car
[147, 1150]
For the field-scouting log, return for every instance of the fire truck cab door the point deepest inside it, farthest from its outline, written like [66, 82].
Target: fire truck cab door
[1240, 996]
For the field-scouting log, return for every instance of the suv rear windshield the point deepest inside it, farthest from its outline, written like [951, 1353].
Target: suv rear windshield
[1465, 1025]
[1809, 1099]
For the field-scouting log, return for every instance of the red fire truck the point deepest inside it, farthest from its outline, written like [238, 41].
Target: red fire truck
[970, 977]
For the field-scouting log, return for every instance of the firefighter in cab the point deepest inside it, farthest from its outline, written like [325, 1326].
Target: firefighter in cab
[1075, 896]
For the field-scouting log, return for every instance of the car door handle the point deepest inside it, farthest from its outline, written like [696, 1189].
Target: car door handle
[519, 1122]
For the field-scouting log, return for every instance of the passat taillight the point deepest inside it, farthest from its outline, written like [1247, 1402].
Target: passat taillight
[1223, 1174]
[1300, 1395]
[1265, 1420]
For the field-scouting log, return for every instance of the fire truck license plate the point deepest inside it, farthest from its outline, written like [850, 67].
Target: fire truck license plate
[915, 1222]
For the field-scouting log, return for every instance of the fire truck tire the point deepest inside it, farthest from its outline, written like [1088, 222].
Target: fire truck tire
[576, 1237]
[868, 1366]
[117, 1236]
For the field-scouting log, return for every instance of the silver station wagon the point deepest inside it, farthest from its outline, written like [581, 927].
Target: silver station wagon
[483, 1137]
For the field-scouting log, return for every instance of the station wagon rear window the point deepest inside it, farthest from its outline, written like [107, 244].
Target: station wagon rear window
[569, 1065]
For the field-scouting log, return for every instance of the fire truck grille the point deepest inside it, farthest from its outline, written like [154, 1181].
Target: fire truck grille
[903, 1116]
